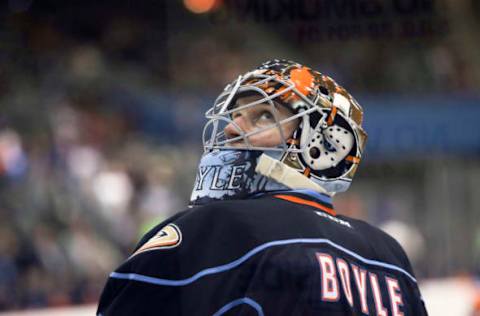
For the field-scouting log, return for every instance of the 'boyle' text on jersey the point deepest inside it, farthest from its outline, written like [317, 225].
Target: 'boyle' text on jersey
[375, 291]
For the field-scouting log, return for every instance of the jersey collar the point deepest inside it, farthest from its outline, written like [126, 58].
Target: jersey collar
[306, 197]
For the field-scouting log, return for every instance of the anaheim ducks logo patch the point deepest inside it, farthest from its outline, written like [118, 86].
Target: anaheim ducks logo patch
[168, 237]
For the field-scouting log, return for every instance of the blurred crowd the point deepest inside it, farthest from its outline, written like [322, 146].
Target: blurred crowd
[71, 209]
[100, 121]
[80, 179]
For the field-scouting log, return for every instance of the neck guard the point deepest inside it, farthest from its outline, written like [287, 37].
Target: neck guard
[230, 174]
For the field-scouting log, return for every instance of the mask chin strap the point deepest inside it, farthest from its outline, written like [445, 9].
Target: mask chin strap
[283, 174]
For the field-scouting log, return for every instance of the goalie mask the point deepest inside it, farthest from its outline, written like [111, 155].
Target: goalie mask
[321, 151]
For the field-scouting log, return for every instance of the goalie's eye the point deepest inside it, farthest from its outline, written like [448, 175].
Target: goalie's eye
[265, 116]
[258, 116]
[235, 115]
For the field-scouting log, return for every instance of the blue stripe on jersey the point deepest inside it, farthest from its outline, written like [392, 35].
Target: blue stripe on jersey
[240, 301]
[248, 255]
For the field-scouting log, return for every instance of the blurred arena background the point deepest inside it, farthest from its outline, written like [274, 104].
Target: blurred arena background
[101, 108]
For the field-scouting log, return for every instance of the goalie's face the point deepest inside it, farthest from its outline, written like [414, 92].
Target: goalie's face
[263, 125]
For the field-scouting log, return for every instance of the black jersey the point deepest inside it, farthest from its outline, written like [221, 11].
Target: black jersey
[278, 254]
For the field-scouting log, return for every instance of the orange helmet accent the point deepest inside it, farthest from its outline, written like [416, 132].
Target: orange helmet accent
[331, 117]
[306, 173]
[303, 80]
[353, 159]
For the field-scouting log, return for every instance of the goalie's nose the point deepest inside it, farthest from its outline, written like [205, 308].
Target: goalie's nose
[236, 127]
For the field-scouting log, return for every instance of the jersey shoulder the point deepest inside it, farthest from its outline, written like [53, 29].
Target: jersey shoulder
[385, 246]
[219, 231]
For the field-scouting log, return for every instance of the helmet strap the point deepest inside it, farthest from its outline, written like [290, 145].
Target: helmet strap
[283, 174]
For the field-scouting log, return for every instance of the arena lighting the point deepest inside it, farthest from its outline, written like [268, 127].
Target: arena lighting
[200, 6]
